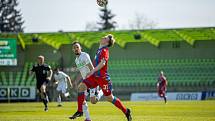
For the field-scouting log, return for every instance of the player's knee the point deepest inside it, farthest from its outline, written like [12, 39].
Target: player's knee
[82, 87]
[84, 102]
[42, 90]
[109, 98]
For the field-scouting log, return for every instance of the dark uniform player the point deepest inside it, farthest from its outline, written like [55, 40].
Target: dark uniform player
[162, 86]
[43, 75]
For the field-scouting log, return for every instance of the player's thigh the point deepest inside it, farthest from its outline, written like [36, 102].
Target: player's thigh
[106, 86]
[62, 89]
[91, 82]
[58, 88]
[43, 87]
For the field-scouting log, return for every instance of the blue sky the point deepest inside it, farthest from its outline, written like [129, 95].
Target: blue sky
[72, 15]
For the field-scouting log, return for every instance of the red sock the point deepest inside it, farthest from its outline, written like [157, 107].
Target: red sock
[116, 101]
[81, 98]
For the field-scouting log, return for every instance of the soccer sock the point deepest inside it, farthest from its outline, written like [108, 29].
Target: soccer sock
[116, 101]
[45, 102]
[165, 99]
[44, 99]
[86, 111]
[45, 96]
[59, 99]
[100, 94]
[81, 98]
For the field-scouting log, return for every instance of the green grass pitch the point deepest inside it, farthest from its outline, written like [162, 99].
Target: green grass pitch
[104, 111]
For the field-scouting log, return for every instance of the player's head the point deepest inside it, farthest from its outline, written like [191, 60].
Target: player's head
[56, 70]
[76, 47]
[161, 73]
[40, 59]
[107, 40]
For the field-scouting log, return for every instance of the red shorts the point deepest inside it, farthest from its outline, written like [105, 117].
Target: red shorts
[162, 91]
[103, 83]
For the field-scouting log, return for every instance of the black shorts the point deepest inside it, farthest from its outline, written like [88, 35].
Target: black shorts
[40, 83]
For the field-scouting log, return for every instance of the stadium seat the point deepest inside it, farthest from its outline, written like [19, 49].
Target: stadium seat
[180, 72]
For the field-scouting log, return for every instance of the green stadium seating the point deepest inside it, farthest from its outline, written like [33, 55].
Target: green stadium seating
[3, 78]
[21, 78]
[180, 72]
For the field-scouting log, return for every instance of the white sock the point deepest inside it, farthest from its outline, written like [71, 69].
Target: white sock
[86, 111]
[59, 100]
[100, 94]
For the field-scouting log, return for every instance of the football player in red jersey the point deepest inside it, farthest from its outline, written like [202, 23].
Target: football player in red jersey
[162, 86]
[99, 76]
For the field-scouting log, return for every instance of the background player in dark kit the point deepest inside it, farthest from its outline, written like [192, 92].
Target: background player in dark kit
[43, 75]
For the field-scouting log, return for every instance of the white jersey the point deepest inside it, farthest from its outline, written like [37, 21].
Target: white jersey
[81, 62]
[62, 81]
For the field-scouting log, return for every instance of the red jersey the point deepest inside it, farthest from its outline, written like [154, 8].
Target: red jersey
[162, 81]
[102, 53]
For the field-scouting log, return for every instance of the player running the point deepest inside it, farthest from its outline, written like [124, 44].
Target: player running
[84, 65]
[43, 75]
[61, 80]
[99, 76]
[162, 86]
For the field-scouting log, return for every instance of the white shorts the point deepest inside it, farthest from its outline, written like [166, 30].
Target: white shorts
[62, 87]
[92, 92]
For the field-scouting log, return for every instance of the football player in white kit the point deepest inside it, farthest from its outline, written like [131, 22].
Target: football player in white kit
[84, 65]
[61, 80]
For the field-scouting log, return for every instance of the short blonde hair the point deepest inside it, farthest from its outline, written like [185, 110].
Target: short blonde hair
[111, 40]
[41, 57]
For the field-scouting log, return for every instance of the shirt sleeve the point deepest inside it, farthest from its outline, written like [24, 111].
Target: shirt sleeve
[64, 75]
[48, 68]
[87, 59]
[105, 54]
[33, 68]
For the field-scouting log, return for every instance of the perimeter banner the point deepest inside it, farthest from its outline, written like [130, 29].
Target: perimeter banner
[170, 96]
[17, 92]
[8, 52]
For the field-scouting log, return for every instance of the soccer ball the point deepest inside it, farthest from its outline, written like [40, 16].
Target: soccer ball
[102, 3]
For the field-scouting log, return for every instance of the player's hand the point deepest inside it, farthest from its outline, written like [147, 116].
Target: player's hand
[157, 84]
[48, 78]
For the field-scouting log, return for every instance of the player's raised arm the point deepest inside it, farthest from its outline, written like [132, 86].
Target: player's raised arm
[90, 66]
[97, 68]
[166, 81]
[32, 70]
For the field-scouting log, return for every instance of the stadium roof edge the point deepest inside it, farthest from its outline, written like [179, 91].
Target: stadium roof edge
[179, 28]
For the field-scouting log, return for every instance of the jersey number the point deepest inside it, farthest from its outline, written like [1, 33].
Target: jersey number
[105, 87]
